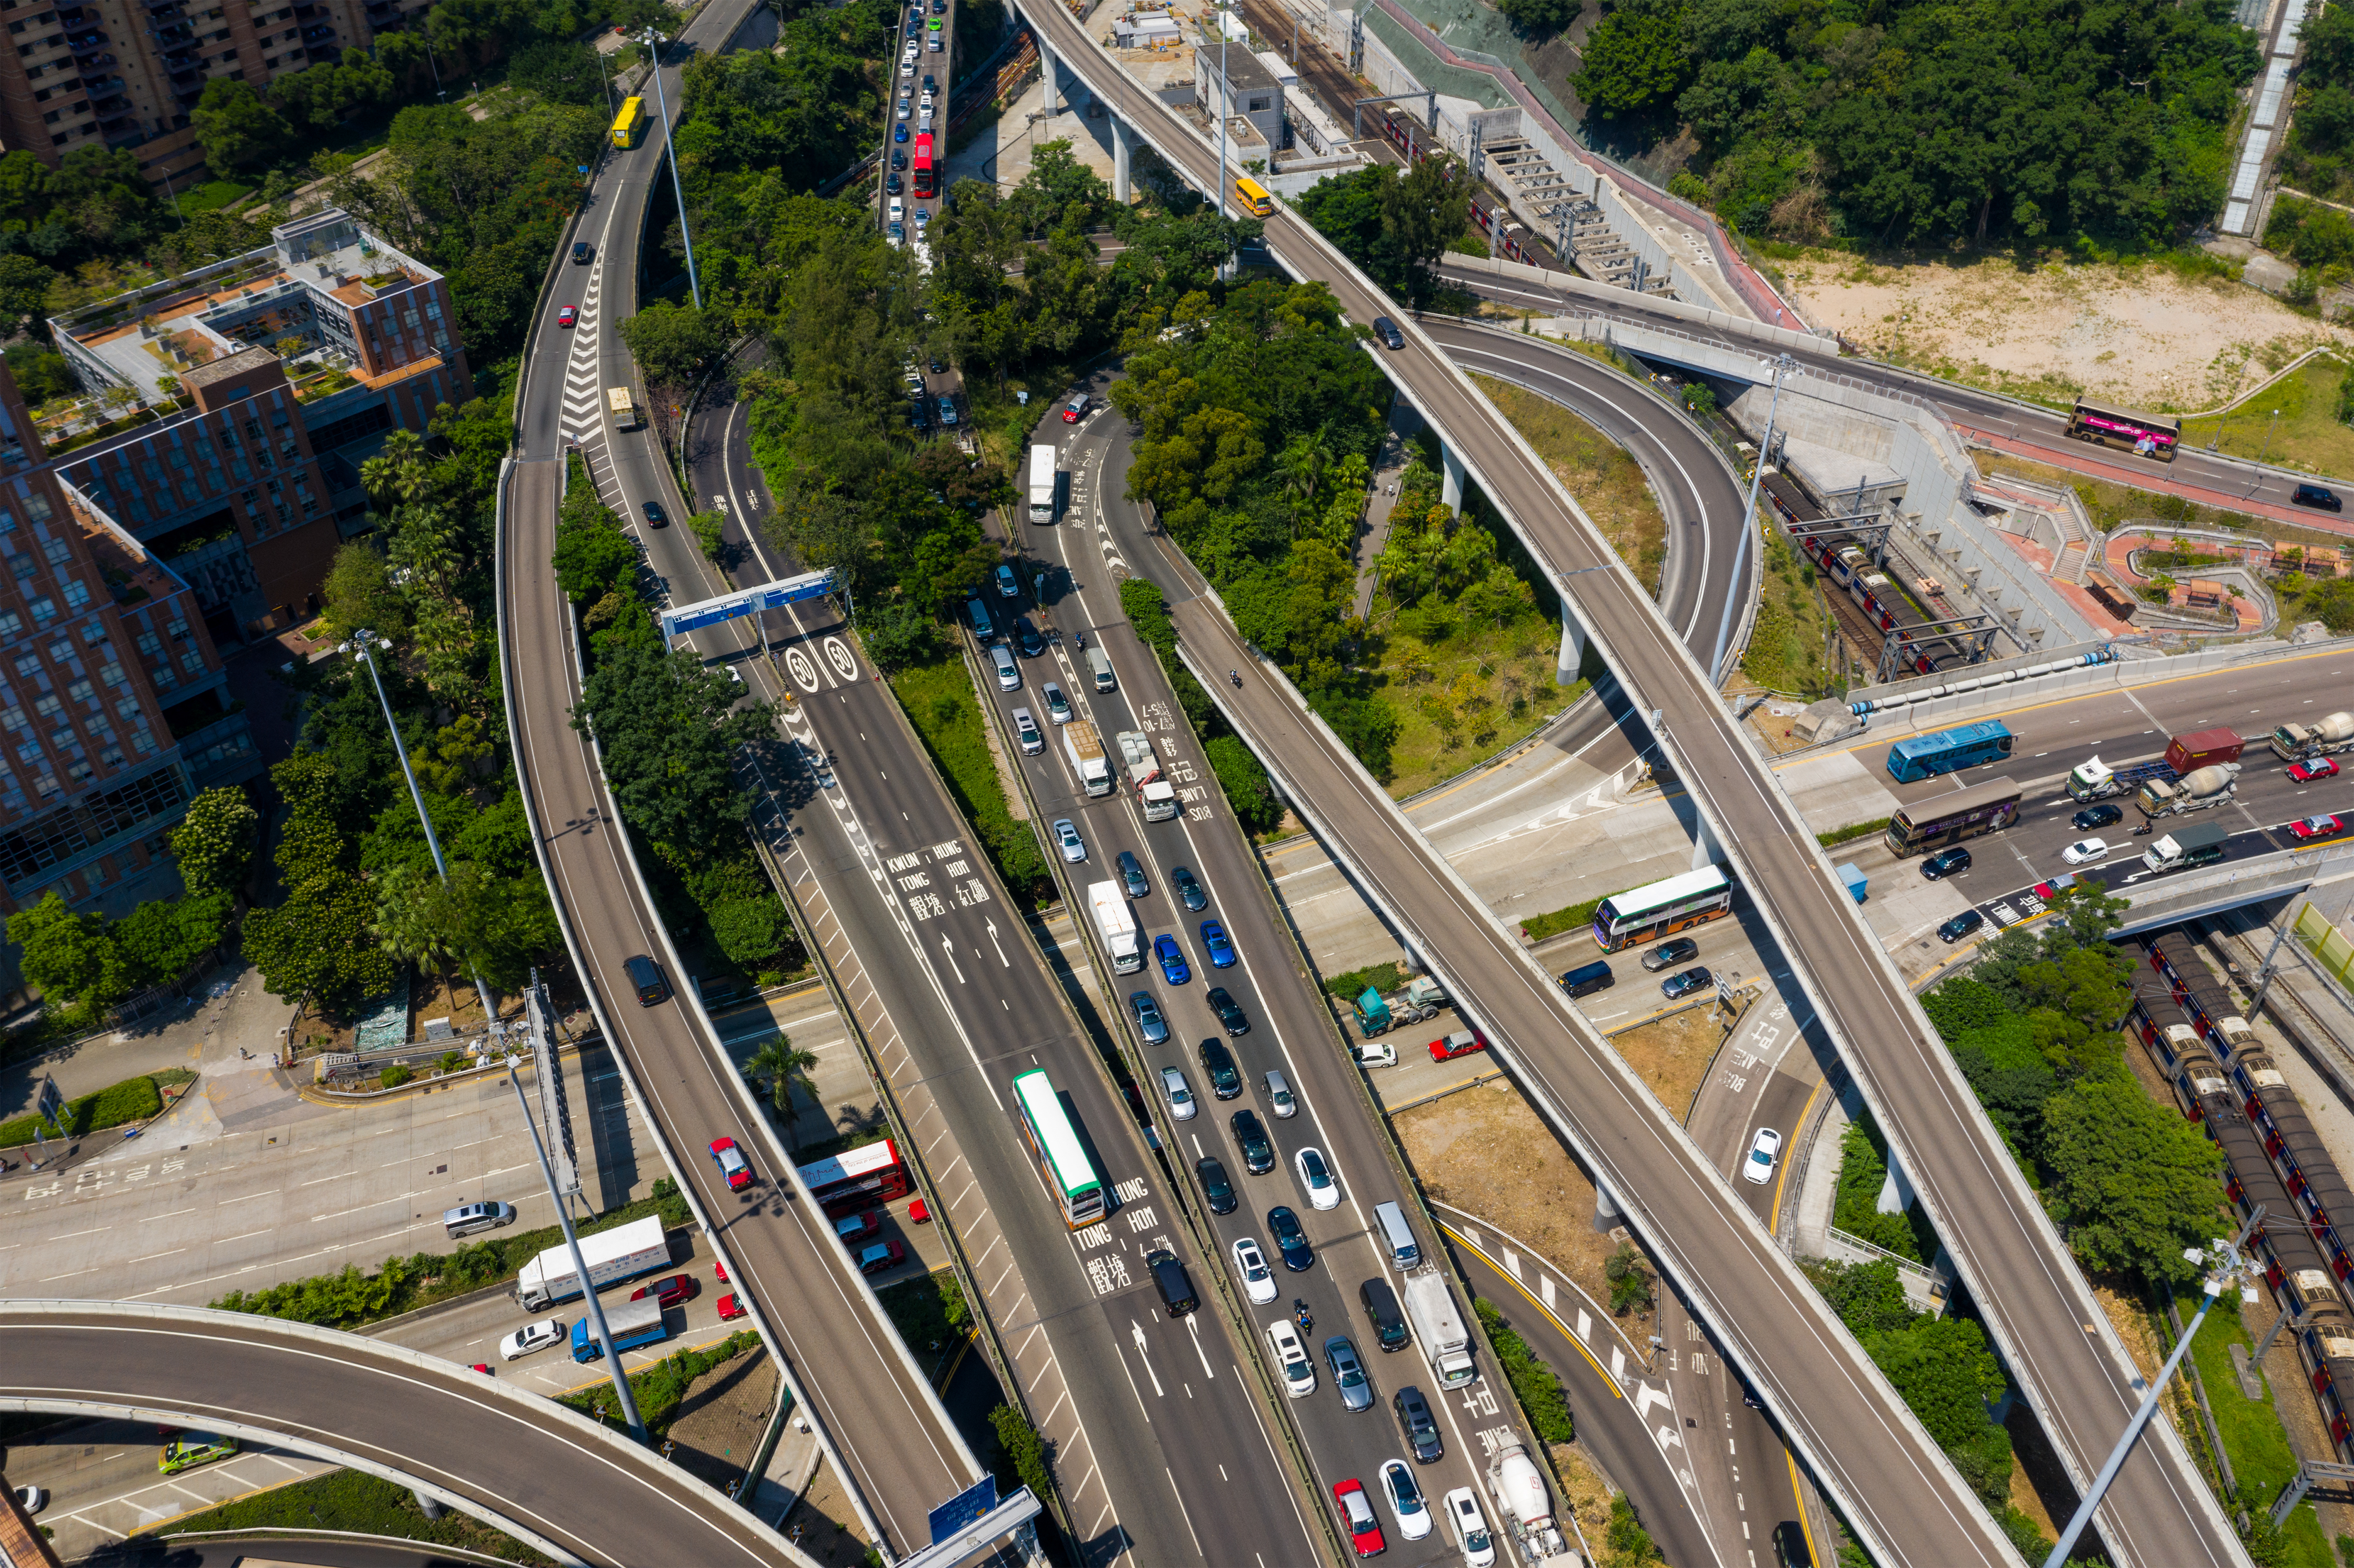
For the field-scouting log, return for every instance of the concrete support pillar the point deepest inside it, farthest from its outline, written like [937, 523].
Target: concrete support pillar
[1450, 486]
[1896, 1192]
[1606, 1217]
[1706, 850]
[430, 1507]
[1046, 73]
[1573, 648]
[1123, 141]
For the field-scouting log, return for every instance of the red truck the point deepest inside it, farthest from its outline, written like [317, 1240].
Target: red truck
[2202, 749]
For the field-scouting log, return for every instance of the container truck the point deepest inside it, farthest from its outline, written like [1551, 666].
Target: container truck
[2200, 845]
[1159, 799]
[1137, 757]
[622, 1253]
[2304, 742]
[632, 1324]
[1519, 1485]
[1116, 923]
[2203, 749]
[1445, 1341]
[2096, 780]
[1377, 1014]
[1085, 748]
[624, 405]
[1041, 483]
[2194, 791]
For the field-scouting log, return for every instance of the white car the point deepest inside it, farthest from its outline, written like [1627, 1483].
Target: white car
[926, 102]
[2084, 850]
[1074, 848]
[896, 211]
[1376, 1053]
[1763, 1150]
[1058, 706]
[1291, 1363]
[1258, 1280]
[1470, 1527]
[532, 1337]
[1323, 1192]
[903, 109]
[1413, 1514]
[1180, 1098]
[32, 1499]
[907, 66]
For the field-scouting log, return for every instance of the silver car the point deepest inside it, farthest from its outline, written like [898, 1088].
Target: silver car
[1356, 1388]
[1180, 1098]
[1067, 834]
[532, 1337]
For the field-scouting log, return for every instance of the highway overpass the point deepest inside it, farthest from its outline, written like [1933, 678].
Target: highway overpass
[1896, 1487]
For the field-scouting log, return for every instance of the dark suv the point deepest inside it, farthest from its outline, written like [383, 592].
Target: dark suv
[1258, 1149]
[2313, 495]
[1386, 330]
[1231, 1017]
[1225, 1081]
[1945, 863]
[1961, 925]
[1421, 1428]
[1216, 1187]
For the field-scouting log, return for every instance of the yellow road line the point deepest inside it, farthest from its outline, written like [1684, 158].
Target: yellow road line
[1567, 1332]
[1805, 1525]
[1774, 1220]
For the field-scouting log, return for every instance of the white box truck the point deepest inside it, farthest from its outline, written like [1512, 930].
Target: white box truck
[1159, 799]
[1445, 1341]
[1116, 923]
[622, 1253]
[1085, 748]
[1041, 483]
[1137, 755]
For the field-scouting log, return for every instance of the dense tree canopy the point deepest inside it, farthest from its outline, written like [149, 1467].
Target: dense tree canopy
[1394, 223]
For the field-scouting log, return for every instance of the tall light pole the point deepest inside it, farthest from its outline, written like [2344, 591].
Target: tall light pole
[2227, 1269]
[653, 41]
[1784, 365]
[1225, 102]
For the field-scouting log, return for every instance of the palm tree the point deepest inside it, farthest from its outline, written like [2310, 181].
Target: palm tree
[1300, 467]
[778, 1065]
[412, 920]
[399, 470]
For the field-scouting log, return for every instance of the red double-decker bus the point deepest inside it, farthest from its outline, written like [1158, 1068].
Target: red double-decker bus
[858, 1179]
[923, 165]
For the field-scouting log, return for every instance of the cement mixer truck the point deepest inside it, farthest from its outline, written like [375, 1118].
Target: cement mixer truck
[1519, 1487]
[2304, 742]
[2194, 791]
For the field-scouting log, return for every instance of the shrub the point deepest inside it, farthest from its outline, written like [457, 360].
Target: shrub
[1540, 927]
[133, 1099]
[1533, 1384]
[396, 1075]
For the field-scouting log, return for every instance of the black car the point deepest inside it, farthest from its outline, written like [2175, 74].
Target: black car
[893, 184]
[1229, 1011]
[1667, 955]
[1421, 1427]
[655, 516]
[2098, 816]
[2313, 495]
[1386, 330]
[1226, 1080]
[1696, 977]
[1961, 925]
[1258, 1149]
[1131, 876]
[939, 365]
[1215, 1187]
[898, 159]
[1290, 1240]
[1187, 890]
[581, 252]
[1945, 863]
[1027, 637]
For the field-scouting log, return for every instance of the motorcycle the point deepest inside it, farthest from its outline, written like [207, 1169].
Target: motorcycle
[1237, 677]
[1301, 1315]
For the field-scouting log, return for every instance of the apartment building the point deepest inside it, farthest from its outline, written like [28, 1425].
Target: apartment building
[294, 361]
[126, 73]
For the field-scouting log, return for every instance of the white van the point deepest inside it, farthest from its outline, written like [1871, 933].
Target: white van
[1101, 667]
[1389, 1223]
[1025, 730]
[1008, 673]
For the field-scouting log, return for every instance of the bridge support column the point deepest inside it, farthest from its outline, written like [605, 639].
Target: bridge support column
[431, 1507]
[1123, 142]
[1896, 1192]
[1606, 1217]
[1450, 484]
[1573, 648]
[1046, 71]
[1706, 850]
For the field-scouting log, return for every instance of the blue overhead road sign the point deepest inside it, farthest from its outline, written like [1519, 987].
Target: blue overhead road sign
[728, 607]
[963, 1509]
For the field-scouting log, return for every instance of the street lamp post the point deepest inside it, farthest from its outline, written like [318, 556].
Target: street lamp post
[653, 41]
[1784, 365]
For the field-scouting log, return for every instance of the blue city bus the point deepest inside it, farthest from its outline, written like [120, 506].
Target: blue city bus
[1949, 750]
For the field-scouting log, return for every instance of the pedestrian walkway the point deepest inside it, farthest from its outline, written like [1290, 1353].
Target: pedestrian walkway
[1389, 466]
[231, 1011]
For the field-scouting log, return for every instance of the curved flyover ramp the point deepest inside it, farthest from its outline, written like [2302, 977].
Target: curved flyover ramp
[527, 1465]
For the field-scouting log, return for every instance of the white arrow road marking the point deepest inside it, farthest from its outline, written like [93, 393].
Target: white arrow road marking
[999, 946]
[948, 949]
[1194, 1321]
[1137, 1328]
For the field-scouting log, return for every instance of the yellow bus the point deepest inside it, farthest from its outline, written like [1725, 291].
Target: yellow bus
[630, 126]
[1254, 197]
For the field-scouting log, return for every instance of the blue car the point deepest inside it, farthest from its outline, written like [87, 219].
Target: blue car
[1148, 1021]
[899, 131]
[1290, 1240]
[1221, 951]
[1172, 960]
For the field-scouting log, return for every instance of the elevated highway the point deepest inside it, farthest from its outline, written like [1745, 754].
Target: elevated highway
[1896, 1487]
[536, 1469]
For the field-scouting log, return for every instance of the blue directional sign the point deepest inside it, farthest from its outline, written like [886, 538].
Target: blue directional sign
[964, 1508]
[748, 601]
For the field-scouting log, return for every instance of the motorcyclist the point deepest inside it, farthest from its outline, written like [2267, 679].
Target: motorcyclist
[1301, 1315]
[1237, 677]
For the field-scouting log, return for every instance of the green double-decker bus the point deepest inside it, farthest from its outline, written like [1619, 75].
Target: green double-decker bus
[1061, 1157]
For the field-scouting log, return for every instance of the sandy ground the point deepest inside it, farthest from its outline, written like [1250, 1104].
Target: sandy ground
[824, 1524]
[720, 1421]
[1671, 1057]
[2133, 334]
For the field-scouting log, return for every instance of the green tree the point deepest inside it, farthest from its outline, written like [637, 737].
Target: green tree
[1629, 1275]
[1634, 62]
[777, 1066]
[1246, 785]
[1629, 1543]
[1541, 18]
[161, 940]
[238, 128]
[900, 635]
[68, 958]
[2132, 1183]
[559, 70]
[214, 842]
[414, 918]
[670, 732]
[673, 344]
[1029, 1453]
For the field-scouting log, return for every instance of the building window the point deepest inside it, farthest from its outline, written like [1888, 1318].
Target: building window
[44, 610]
[77, 594]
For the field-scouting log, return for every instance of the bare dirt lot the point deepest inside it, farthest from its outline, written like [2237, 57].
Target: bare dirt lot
[1671, 1057]
[2142, 334]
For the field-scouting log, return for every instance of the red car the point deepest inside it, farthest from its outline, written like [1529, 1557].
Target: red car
[729, 1308]
[670, 1290]
[2317, 827]
[1462, 1043]
[732, 1163]
[566, 316]
[881, 1257]
[1357, 1518]
[720, 1268]
[858, 1227]
[2319, 767]
[1076, 407]
[485, 1371]
[2050, 890]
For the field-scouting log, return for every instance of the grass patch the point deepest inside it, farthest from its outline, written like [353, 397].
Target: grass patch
[2262, 1460]
[2307, 435]
[1385, 978]
[939, 701]
[1540, 927]
[1604, 478]
[929, 1312]
[1839, 836]
[212, 196]
[1863, 1169]
[1533, 1384]
[1492, 686]
[659, 1388]
[350, 1299]
[1789, 644]
[346, 1499]
[133, 1099]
